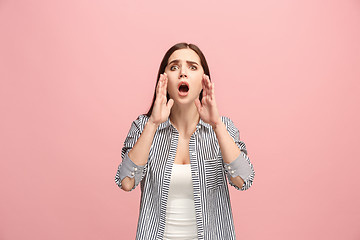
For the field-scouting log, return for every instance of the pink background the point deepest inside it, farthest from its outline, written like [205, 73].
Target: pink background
[75, 74]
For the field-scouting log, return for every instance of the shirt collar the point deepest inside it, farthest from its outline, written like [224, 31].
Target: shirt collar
[168, 123]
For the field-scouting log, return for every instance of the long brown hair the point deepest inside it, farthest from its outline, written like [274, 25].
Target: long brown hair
[164, 63]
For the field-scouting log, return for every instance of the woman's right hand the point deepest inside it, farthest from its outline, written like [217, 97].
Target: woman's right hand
[161, 108]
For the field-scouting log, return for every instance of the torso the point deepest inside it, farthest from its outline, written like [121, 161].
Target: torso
[182, 152]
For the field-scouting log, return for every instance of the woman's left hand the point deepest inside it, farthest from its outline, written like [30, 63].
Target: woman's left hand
[207, 108]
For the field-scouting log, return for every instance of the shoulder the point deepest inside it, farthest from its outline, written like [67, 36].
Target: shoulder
[230, 126]
[227, 121]
[142, 118]
[141, 121]
[224, 119]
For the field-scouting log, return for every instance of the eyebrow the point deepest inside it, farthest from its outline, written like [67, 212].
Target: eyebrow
[177, 60]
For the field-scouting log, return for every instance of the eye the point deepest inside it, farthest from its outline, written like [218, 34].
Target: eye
[172, 67]
[194, 67]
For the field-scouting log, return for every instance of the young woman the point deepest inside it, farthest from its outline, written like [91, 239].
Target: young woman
[182, 151]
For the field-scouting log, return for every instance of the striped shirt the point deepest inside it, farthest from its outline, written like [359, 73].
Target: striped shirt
[209, 176]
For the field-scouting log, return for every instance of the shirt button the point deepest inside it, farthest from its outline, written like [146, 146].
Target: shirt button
[232, 171]
[229, 167]
[135, 168]
[196, 173]
[132, 173]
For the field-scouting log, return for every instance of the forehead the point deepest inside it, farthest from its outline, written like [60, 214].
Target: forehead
[185, 54]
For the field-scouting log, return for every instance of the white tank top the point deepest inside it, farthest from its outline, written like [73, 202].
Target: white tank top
[180, 211]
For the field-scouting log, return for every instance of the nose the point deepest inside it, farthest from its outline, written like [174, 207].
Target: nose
[183, 75]
[183, 72]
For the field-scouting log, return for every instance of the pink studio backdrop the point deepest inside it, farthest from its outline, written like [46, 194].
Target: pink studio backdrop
[75, 74]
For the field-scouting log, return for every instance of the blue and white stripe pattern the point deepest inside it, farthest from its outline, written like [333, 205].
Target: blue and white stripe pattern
[211, 194]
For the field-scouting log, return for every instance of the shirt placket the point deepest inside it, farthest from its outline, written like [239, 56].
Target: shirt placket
[166, 183]
[196, 187]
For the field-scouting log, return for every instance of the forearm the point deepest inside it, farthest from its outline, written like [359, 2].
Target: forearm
[139, 154]
[229, 149]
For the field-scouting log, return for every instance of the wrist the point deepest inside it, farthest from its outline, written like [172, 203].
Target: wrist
[152, 124]
[216, 124]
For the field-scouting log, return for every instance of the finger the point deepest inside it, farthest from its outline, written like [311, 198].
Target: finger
[158, 86]
[203, 82]
[207, 86]
[208, 82]
[212, 91]
[165, 85]
[170, 103]
[162, 85]
[204, 89]
[205, 93]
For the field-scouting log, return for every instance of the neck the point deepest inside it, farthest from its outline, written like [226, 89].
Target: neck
[185, 118]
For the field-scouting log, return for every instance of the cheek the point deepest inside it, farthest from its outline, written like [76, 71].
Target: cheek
[198, 83]
[171, 86]
[199, 87]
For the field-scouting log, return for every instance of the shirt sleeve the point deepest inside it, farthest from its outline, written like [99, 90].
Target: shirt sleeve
[241, 166]
[127, 168]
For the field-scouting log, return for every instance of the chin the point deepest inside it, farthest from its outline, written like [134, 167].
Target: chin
[186, 101]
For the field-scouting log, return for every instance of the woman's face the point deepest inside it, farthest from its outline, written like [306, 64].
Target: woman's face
[184, 67]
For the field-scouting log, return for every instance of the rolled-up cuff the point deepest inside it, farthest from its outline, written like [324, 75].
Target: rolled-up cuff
[239, 167]
[130, 169]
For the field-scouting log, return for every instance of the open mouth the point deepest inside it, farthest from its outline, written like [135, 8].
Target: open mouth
[183, 87]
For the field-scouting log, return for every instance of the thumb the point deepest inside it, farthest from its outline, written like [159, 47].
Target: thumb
[170, 103]
[198, 104]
